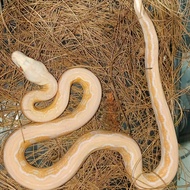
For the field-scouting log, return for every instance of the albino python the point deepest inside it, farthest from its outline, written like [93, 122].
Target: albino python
[47, 126]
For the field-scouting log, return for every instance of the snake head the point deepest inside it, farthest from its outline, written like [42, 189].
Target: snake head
[33, 70]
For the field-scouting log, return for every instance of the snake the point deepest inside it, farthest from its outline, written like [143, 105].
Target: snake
[47, 124]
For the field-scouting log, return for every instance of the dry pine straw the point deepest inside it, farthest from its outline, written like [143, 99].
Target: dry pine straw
[105, 37]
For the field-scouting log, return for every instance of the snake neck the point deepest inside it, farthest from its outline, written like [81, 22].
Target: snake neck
[47, 91]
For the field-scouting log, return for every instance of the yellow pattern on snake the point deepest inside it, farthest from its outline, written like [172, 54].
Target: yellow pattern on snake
[47, 126]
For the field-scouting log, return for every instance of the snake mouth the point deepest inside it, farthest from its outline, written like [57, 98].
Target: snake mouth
[17, 58]
[19, 67]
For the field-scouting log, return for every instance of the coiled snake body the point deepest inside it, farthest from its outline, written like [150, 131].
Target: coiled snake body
[48, 127]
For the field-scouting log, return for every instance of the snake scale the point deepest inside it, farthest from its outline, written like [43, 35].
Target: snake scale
[46, 125]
